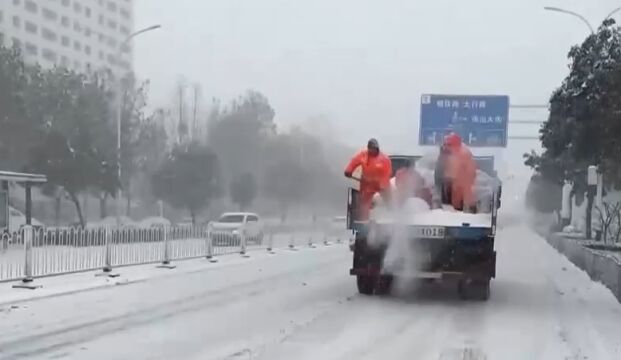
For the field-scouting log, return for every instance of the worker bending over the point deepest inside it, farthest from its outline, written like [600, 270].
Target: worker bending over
[375, 178]
[455, 174]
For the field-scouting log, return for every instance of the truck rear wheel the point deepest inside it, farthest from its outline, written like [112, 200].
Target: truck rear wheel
[480, 290]
[475, 290]
[384, 285]
[365, 283]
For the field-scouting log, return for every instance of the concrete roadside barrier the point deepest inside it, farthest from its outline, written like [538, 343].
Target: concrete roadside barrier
[596, 260]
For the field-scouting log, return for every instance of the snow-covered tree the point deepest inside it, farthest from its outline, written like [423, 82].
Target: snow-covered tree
[584, 127]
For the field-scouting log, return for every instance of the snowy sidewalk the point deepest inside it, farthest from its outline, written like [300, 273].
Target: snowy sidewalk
[85, 281]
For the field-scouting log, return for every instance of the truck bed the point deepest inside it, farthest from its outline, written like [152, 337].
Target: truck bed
[436, 217]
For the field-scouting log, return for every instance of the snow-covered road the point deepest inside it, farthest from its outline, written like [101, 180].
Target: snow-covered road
[303, 305]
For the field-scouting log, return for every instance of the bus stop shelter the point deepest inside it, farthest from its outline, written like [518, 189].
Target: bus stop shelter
[27, 181]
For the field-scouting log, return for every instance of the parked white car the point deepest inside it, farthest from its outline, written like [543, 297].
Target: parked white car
[17, 219]
[228, 230]
[111, 222]
[154, 222]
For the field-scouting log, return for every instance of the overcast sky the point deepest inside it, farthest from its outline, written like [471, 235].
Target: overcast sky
[363, 63]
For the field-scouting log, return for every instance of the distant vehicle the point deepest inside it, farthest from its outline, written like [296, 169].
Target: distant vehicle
[111, 222]
[228, 230]
[17, 219]
[154, 222]
[185, 222]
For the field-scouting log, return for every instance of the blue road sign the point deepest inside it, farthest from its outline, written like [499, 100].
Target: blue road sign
[481, 121]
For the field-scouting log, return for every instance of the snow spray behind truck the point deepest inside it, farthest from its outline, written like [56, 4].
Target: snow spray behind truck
[445, 244]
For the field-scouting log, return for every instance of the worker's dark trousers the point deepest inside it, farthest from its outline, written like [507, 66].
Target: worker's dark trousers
[447, 194]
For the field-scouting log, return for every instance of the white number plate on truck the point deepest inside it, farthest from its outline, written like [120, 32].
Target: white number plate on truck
[430, 232]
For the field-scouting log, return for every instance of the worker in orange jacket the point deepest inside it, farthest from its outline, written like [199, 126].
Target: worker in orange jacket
[456, 171]
[376, 172]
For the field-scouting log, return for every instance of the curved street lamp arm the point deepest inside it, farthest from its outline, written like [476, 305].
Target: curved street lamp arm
[551, 8]
[612, 13]
[136, 33]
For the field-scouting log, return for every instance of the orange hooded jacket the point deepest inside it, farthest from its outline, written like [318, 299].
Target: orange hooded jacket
[376, 172]
[461, 170]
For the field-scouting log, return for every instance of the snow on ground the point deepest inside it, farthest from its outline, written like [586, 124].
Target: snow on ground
[303, 305]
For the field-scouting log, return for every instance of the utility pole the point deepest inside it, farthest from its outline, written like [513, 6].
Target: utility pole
[180, 125]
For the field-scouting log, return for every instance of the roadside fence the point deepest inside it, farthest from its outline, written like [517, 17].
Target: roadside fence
[44, 252]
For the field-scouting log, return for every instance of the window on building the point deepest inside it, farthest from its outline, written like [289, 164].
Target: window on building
[87, 50]
[16, 43]
[77, 46]
[17, 21]
[49, 34]
[125, 65]
[124, 30]
[31, 6]
[65, 41]
[49, 14]
[30, 27]
[87, 32]
[111, 42]
[125, 48]
[101, 37]
[111, 6]
[87, 11]
[49, 55]
[112, 24]
[124, 13]
[31, 49]
[64, 21]
[66, 2]
[76, 26]
[16, 2]
[77, 7]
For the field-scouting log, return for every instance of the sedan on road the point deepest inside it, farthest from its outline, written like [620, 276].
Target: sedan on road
[230, 227]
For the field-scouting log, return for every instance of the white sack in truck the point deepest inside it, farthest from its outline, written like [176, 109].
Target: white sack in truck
[484, 185]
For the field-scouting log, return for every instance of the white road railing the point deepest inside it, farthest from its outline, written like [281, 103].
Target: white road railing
[47, 252]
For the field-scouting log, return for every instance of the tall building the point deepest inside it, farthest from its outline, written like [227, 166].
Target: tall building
[79, 34]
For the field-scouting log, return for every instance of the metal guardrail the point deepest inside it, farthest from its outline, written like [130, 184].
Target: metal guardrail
[36, 253]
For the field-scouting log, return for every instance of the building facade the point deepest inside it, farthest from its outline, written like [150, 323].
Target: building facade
[83, 35]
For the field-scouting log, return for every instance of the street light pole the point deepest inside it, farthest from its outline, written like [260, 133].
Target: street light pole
[612, 13]
[119, 110]
[584, 20]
